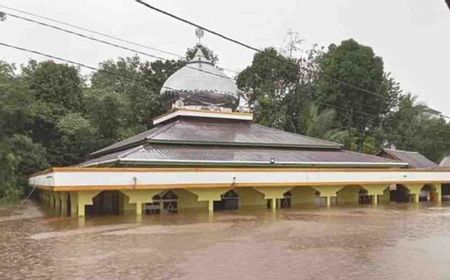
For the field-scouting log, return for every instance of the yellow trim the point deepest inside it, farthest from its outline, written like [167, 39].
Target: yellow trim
[224, 185]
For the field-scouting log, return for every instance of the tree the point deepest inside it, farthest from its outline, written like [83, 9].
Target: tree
[361, 108]
[125, 94]
[78, 138]
[59, 85]
[124, 97]
[412, 128]
[20, 157]
[266, 83]
[57, 90]
[30, 157]
[322, 124]
[17, 106]
[8, 166]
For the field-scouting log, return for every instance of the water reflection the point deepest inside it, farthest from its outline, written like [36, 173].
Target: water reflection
[403, 241]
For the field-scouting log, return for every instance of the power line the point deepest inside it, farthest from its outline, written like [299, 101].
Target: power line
[84, 36]
[198, 26]
[117, 75]
[91, 31]
[163, 51]
[50, 56]
[253, 48]
[102, 34]
[80, 64]
[260, 51]
[107, 43]
[83, 65]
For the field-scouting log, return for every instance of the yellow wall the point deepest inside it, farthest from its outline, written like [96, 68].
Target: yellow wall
[250, 197]
[386, 197]
[303, 195]
[126, 206]
[187, 200]
[348, 195]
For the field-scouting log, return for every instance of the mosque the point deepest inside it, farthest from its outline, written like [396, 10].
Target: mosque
[205, 154]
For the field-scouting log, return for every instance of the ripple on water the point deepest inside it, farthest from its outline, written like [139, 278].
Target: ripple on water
[393, 242]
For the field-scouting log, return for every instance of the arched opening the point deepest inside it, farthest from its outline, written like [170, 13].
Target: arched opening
[400, 194]
[353, 195]
[304, 196]
[229, 201]
[286, 201]
[428, 193]
[106, 203]
[445, 192]
[283, 203]
[165, 202]
[321, 201]
[364, 197]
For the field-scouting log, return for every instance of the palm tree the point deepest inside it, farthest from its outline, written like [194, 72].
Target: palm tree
[321, 124]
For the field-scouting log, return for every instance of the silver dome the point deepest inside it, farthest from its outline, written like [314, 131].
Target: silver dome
[200, 83]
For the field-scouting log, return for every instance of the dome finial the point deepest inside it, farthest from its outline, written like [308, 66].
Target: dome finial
[199, 33]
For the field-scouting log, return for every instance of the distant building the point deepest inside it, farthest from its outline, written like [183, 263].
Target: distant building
[413, 159]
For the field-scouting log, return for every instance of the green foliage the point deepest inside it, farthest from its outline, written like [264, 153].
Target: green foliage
[9, 191]
[124, 96]
[357, 65]
[301, 94]
[59, 85]
[20, 157]
[412, 127]
[78, 138]
[266, 84]
[50, 115]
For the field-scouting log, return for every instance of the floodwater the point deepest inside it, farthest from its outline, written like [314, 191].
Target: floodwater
[402, 241]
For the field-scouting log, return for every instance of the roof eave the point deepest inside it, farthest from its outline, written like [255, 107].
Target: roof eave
[252, 163]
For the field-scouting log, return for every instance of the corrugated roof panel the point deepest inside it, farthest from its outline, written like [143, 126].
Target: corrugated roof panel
[237, 133]
[220, 132]
[414, 159]
[159, 153]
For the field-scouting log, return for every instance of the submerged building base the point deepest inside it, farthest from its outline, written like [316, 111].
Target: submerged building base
[163, 201]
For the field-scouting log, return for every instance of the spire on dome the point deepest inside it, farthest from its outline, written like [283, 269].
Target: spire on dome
[200, 56]
[200, 84]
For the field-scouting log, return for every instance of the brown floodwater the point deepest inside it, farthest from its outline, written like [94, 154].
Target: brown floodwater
[402, 241]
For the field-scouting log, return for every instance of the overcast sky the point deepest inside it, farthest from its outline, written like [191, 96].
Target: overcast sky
[412, 36]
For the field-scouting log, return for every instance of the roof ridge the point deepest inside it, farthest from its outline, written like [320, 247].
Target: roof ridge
[374, 156]
[117, 144]
[152, 132]
[162, 129]
[129, 152]
[402, 151]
